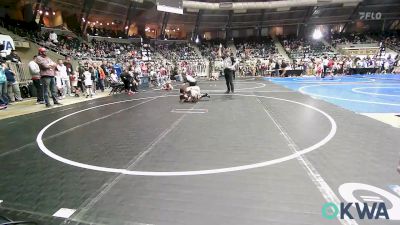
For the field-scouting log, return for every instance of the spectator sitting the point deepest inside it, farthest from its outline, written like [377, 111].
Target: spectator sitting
[13, 57]
[53, 37]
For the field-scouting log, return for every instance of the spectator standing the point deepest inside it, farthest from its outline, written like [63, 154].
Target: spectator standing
[105, 69]
[95, 77]
[81, 69]
[3, 85]
[310, 68]
[106, 72]
[283, 66]
[102, 77]
[59, 83]
[47, 67]
[277, 68]
[74, 83]
[70, 70]
[87, 79]
[68, 65]
[325, 63]
[62, 69]
[13, 92]
[34, 70]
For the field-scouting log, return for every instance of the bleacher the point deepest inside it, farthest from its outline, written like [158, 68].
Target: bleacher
[251, 48]
[300, 48]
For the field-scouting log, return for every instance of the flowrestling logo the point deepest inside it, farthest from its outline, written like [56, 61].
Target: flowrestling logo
[363, 202]
[376, 210]
[370, 15]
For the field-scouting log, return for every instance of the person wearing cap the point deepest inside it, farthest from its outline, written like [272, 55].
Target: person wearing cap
[47, 67]
[34, 70]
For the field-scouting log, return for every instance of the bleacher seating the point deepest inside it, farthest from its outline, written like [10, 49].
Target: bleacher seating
[250, 48]
[299, 48]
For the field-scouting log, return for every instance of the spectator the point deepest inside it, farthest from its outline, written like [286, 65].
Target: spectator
[102, 77]
[95, 78]
[34, 70]
[13, 92]
[13, 57]
[81, 69]
[283, 66]
[105, 69]
[47, 74]
[277, 69]
[325, 63]
[88, 82]
[68, 65]
[74, 83]
[3, 56]
[114, 77]
[53, 37]
[3, 86]
[62, 69]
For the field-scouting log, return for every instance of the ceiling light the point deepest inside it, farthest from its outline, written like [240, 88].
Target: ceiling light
[317, 34]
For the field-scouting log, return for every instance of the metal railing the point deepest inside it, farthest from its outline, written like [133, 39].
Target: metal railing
[21, 71]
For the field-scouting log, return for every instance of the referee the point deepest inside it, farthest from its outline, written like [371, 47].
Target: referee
[229, 69]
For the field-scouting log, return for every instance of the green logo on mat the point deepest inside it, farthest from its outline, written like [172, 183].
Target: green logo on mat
[330, 211]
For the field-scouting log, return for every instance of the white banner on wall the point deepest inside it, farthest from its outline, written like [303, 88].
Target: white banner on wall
[7, 43]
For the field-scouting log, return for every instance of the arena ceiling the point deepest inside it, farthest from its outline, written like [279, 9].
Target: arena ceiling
[146, 13]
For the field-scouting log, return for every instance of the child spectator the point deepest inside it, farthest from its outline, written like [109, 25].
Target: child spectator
[87, 76]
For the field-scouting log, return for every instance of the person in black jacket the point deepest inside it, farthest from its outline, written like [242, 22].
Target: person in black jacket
[283, 66]
[13, 57]
[277, 68]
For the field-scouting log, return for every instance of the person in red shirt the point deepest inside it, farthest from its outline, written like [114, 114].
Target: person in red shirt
[47, 73]
[330, 66]
[102, 77]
